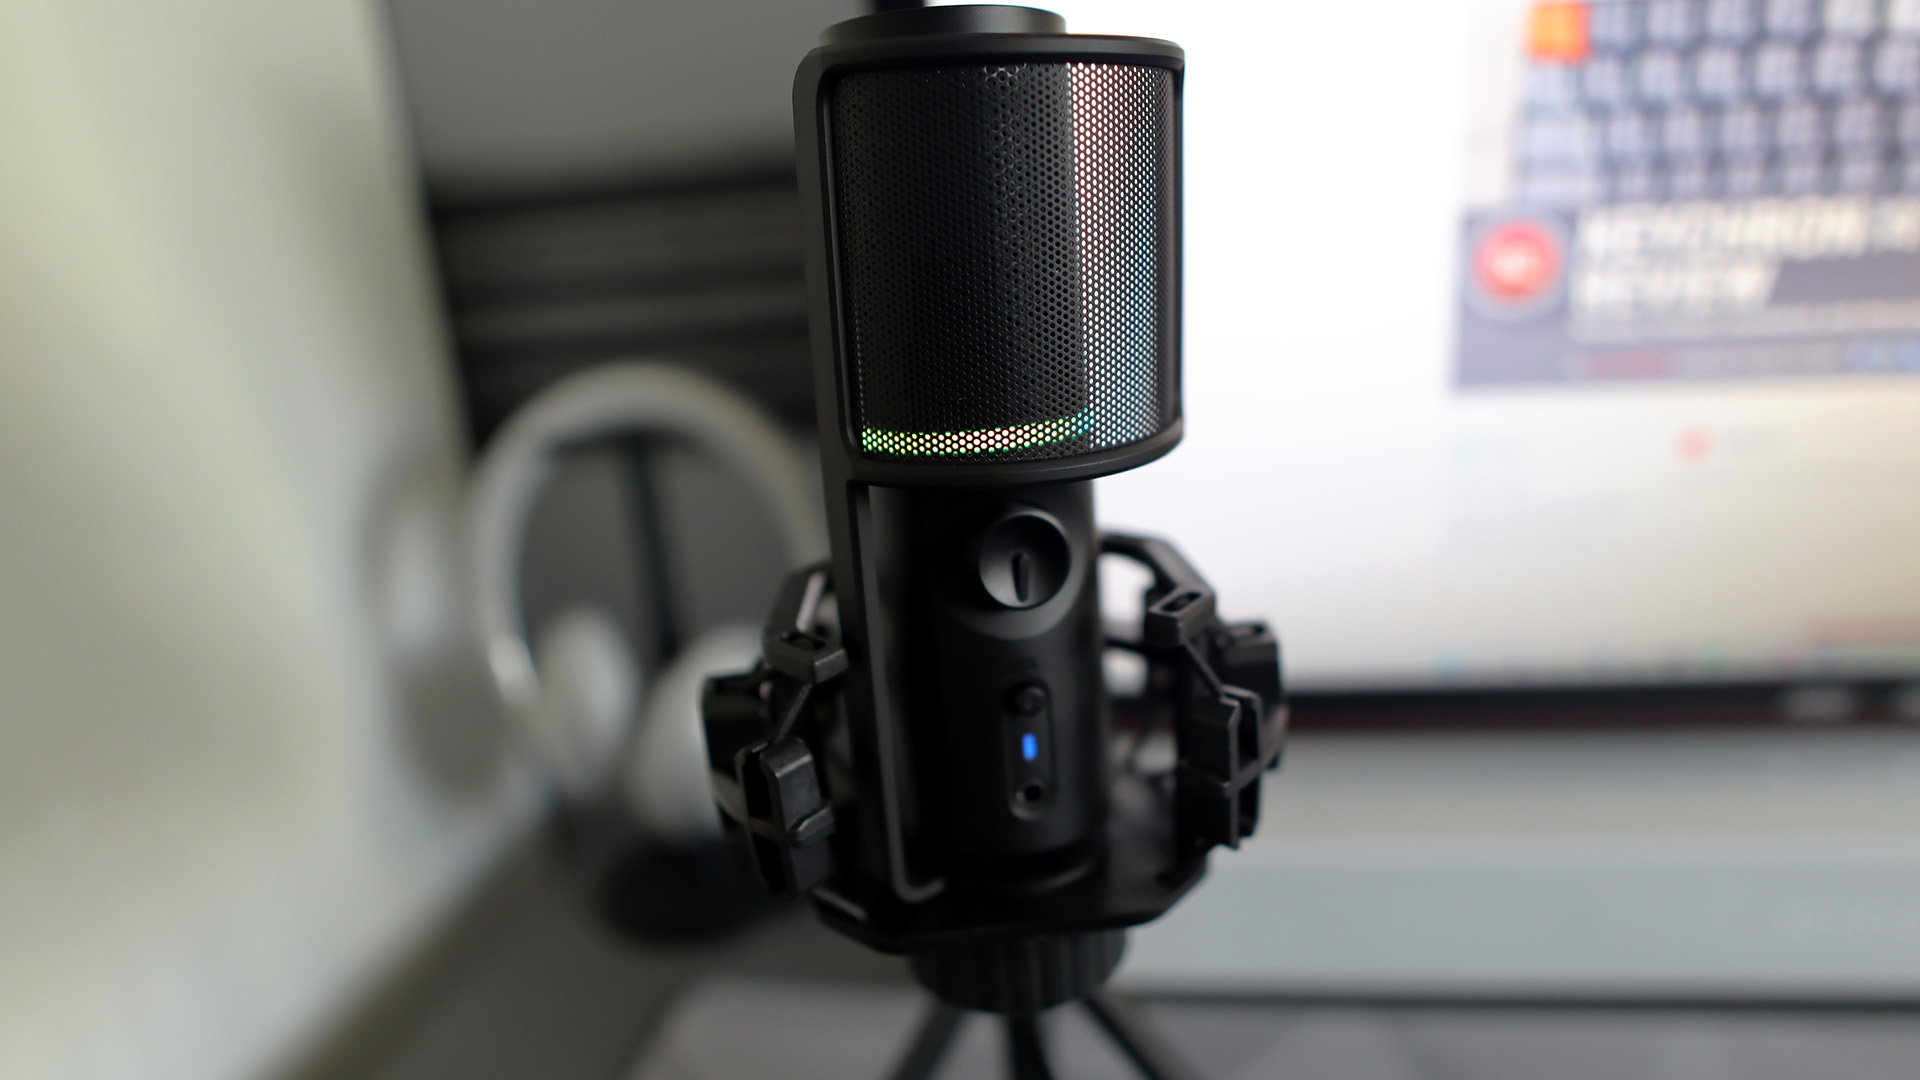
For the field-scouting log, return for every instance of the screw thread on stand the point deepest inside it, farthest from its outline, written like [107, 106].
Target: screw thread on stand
[1023, 976]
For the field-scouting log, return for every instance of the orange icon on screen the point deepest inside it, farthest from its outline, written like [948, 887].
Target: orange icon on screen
[1695, 444]
[1517, 263]
[1557, 33]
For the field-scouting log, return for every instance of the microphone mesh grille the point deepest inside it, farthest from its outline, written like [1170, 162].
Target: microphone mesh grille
[1007, 254]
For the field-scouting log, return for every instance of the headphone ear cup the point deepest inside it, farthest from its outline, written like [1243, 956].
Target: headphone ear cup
[664, 775]
[590, 689]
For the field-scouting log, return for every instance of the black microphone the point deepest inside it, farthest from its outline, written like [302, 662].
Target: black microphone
[991, 212]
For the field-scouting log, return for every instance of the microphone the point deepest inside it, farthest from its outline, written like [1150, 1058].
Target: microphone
[991, 211]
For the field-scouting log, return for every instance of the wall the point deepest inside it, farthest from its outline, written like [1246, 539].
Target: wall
[509, 94]
[243, 750]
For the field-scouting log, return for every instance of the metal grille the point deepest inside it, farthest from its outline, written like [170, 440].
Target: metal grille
[1007, 246]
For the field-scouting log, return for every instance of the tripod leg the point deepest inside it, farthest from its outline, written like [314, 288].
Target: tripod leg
[930, 1043]
[1149, 1052]
[1027, 1052]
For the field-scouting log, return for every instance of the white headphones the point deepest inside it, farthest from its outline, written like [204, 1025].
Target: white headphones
[573, 699]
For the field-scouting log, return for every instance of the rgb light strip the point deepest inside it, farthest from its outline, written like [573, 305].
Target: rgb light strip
[982, 441]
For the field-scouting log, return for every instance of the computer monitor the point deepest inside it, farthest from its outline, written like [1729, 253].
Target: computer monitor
[1512, 367]
[1550, 344]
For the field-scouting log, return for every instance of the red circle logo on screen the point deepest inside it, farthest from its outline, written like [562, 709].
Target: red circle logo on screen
[1517, 263]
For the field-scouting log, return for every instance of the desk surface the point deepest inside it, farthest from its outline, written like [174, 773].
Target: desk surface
[1389, 870]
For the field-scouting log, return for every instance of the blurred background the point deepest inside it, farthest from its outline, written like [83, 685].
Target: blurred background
[1552, 384]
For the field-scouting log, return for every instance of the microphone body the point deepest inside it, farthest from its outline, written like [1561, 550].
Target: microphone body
[991, 219]
[991, 212]
[989, 606]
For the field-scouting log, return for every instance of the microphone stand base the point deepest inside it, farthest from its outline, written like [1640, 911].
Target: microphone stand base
[1026, 1050]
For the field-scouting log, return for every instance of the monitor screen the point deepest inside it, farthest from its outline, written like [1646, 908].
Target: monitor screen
[1552, 344]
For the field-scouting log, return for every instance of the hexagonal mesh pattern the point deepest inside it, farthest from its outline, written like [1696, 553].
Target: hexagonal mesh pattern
[1007, 246]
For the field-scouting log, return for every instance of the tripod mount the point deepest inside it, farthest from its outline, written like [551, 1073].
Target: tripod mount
[781, 749]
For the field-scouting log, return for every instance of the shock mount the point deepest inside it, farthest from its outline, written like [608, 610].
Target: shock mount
[785, 775]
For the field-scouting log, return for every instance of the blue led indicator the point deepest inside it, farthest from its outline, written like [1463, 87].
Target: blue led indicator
[1029, 746]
